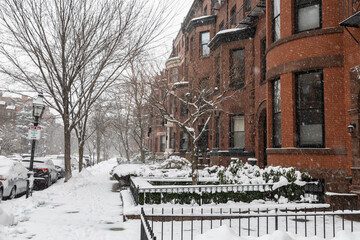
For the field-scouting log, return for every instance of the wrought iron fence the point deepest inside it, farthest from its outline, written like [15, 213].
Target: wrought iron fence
[146, 232]
[314, 191]
[347, 8]
[323, 223]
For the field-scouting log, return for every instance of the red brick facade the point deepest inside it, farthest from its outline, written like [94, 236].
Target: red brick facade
[328, 49]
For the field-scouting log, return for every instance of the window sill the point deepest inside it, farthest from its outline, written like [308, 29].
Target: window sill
[307, 151]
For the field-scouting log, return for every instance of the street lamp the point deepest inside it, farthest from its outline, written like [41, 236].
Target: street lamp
[38, 110]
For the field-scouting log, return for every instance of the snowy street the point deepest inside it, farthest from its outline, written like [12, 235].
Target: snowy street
[84, 208]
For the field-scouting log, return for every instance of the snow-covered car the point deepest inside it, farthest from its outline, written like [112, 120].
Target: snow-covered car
[13, 176]
[45, 173]
[15, 157]
[74, 162]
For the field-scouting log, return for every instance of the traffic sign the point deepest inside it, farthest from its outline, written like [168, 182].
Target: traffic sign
[34, 133]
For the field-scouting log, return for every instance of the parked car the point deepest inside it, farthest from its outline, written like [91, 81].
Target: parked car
[45, 173]
[86, 160]
[13, 176]
[1, 190]
[59, 166]
[15, 157]
[74, 161]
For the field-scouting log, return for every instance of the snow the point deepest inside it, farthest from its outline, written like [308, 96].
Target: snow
[86, 208]
[339, 194]
[10, 107]
[202, 17]
[83, 208]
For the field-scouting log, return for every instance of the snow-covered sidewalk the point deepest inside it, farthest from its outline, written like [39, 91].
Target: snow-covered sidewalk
[84, 208]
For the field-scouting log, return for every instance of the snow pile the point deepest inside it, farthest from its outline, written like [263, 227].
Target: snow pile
[173, 167]
[6, 219]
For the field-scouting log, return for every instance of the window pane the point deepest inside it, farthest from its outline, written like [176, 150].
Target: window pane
[276, 29]
[205, 50]
[205, 37]
[277, 130]
[276, 8]
[239, 123]
[277, 96]
[310, 90]
[311, 134]
[309, 17]
[237, 67]
[239, 139]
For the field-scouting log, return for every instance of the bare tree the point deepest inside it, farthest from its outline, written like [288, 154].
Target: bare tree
[198, 103]
[49, 43]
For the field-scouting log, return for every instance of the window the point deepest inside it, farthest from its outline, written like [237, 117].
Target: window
[307, 15]
[183, 141]
[237, 68]
[275, 20]
[237, 134]
[171, 138]
[221, 26]
[217, 132]
[162, 143]
[276, 108]
[204, 40]
[263, 56]
[218, 73]
[247, 5]
[191, 48]
[310, 109]
[203, 142]
[183, 107]
[172, 105]
[156, 144]
[205, 11]
[233, 17]
[174, 74]
[187, 44]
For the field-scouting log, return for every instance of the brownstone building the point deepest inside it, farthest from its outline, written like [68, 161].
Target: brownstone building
[294, 67]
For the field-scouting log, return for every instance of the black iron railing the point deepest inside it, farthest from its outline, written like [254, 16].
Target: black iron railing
[146, 232]
[307, 222]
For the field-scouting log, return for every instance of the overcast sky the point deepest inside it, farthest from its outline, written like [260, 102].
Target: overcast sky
[179, 10]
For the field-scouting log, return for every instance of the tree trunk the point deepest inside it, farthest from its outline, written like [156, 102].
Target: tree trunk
[81, 154]
[98, 138]
[67, 140]
[194, 160]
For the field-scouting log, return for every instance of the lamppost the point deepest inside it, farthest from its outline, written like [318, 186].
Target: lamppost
[38, 110]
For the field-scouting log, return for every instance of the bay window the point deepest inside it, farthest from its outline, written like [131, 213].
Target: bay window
[310, 109]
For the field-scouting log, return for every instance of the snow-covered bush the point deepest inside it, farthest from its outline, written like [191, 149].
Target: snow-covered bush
[176, 162]
[288, 182]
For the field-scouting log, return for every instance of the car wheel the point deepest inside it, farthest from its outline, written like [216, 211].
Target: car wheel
[49, 182]
[1, 194]
[12, 193]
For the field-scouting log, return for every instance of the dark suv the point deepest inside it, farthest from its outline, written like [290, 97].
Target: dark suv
[45, 173]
